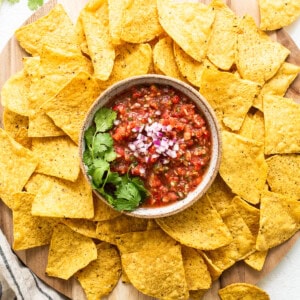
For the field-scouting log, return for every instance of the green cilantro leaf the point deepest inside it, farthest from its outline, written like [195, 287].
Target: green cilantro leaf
[101, 143]
[110, 155]
[104, 119]
[139, 184]
[114, 178]
[89, 137]
[128, 197]
[87, 158]
[35, 4]
[99, 168]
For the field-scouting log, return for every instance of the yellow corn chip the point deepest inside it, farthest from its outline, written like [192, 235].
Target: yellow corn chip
[169, 280]
[242, 291]
[259, 127]
[258, 57]
[188, 24]
[29, 231]
[103, 211]
[14, 159]
[115, 11]
[256, 260]
[246, 129]
[277, 14]
[55, 30]
[35, 182]
[230, 96]
[222, 43]
[96, 29]
[213, 269]
[243, 166]
[284, 174]
[65, 254]
[58, 157]
[62, 198]
[278, 84]
[195, 225]
[281, 136]
[69, 107]
[82, 226]
[279, 220]
[100, 277]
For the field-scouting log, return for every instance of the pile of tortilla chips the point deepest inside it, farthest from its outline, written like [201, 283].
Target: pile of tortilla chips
[252, 205]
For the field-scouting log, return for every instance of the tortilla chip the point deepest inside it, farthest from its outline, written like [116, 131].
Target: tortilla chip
[222, 43]
[115, 11]
[243, 166]
[220, 194]
[213, 269]
[242, 245]
[17, 127]
[281, 136]
[144, 241]
[152, 224]
[55, 30]
[258, 57]
[279, 220]
[14, 159]
[195, 226]
[100, 277]
[246, 129]
[256, 260]
[242, 291]
[69, 107]
[182, 20]
[139, 21]
[65, 199]
[29, 231]
[58, 157]
[65, 253]
[96, 29]
[108, 230]
[82, 226]
[277, 14]
[35, 182]
[14, 93]
[164, 60]
[196, 272]
[169, 280]
[278, 84]
[131, 60]
[230, 96]
[284, 174]
[103, 211]
[259, 127]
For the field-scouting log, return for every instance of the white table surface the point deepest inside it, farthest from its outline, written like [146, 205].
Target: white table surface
[284, 282]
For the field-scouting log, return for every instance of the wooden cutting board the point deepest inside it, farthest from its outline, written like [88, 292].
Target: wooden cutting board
[36, 259]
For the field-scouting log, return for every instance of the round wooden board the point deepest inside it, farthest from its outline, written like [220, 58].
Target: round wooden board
[36, 259]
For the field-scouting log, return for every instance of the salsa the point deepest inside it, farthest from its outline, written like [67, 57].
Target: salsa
[160, 136]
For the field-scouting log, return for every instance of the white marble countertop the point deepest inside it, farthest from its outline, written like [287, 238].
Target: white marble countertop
[284, 282]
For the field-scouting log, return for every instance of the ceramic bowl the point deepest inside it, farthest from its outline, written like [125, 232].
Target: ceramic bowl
[202, 105]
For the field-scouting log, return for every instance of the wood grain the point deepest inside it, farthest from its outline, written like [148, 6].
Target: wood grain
[36, 259]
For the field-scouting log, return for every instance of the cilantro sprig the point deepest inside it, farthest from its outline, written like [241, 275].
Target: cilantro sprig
[122, 192]
[32, 4]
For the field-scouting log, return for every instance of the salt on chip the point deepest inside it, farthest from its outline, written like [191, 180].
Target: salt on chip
[100, 277]
[82, 226]
[69, 106]
[278, 84]
[108, 230]
[164, 60]
[140, 21]
[167, 265]
[195, 226]
[277, 14]
[258, 58]
[230, 96]
[242, 291]
[29, 231]
[63, 198]
[55, 29]
[243, 166]
[58, 157]
[281, 136]
[96, 29]
[188, 24]
[65, 253]
[14, 93]
[256, 260]
[14, 159]
[222, 43]
[279, 220]
[284, 174]
[17, 127]
[196, 272]
[242, 245]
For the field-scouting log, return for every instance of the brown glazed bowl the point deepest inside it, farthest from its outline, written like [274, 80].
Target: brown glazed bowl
[201, 104]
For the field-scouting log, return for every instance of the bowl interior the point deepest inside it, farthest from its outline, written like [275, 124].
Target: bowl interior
[202, 105]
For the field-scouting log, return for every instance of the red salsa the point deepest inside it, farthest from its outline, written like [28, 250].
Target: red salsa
[161, 136]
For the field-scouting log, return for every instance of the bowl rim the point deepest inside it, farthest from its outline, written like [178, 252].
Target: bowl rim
[202, 105]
